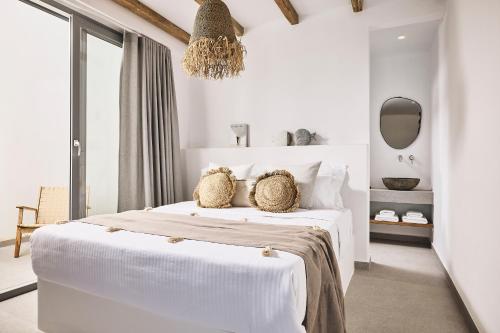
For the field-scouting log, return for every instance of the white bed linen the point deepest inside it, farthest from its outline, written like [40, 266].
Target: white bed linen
[227, 287]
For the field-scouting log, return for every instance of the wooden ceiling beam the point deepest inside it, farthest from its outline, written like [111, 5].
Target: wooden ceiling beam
[288, 10]
[238, 28]
[357, 5]
[140, 9]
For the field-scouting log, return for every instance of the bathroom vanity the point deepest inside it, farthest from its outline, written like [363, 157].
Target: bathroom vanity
[400, 169]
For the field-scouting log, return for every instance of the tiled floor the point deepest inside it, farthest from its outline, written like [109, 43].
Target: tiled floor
[15, 272]
[404, 292]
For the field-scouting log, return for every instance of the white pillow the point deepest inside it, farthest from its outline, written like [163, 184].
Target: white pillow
[304, 174]
[239, 171]
[243, 188]
[328, 187]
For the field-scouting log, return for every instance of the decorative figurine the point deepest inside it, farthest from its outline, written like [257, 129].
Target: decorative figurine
[303, 137]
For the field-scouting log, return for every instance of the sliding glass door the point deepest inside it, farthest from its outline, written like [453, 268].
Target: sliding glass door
[97, 55]
[102, 125]
[92, 61]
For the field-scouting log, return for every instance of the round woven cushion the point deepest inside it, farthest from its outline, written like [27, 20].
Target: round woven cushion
[215, 189]
[275, 192]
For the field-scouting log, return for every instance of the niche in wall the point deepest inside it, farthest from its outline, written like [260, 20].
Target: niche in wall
[400, 66]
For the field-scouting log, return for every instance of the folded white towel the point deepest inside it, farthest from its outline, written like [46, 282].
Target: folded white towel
[387, 218]
[412, 213]
[387, 212]
[418, 220]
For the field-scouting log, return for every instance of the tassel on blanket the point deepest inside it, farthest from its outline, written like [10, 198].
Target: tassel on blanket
[175, 240]
[316, 228]
[268, 251]
[193, 214]
[113, 229]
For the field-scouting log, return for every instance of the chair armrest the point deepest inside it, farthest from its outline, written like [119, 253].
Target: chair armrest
[20, 215]
[27, 208]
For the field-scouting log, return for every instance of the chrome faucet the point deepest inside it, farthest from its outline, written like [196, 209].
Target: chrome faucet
[411, 158]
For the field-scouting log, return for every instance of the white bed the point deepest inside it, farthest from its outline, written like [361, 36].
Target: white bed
[94, 281]
[191, 286]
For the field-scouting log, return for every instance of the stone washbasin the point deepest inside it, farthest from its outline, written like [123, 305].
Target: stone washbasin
[400, 184]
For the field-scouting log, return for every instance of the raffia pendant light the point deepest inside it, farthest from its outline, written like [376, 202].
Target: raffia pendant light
[214, 52]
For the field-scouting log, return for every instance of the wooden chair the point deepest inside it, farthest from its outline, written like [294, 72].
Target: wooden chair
[53, 207]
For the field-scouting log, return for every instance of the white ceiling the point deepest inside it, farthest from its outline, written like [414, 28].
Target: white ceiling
[250, 13]
[419, 37]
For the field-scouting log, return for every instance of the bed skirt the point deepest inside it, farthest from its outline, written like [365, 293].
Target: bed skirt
[62, 310]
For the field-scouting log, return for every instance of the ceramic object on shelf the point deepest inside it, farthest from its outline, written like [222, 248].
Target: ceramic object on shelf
[400, 184]
[303, 137]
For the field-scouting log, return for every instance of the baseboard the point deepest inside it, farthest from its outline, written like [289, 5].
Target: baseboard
[363, 265]
[18, 291]
[400, 239]
[10, 242]
[471, 325]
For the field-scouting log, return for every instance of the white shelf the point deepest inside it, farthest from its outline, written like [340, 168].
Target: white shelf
[410, 197]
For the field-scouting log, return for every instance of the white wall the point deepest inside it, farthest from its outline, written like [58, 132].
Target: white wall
[407, 75]
[34, 108]
[295, 78]
[313, 75]
[466, 166]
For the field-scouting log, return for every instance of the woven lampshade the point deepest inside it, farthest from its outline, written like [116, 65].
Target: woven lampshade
[214, 52]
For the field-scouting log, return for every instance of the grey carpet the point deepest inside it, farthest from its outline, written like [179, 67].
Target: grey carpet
[15, 272]
[19, 314]
[405, 290]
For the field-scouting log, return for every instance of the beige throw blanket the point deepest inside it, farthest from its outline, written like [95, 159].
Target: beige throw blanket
[325, 302]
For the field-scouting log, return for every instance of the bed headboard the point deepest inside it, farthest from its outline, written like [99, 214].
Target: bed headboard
[356, 189]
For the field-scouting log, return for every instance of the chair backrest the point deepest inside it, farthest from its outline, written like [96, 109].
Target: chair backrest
[53, 205]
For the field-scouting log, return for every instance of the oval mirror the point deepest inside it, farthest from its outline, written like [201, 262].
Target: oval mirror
[400, 120]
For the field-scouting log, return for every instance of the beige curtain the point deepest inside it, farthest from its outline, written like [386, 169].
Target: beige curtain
[149, 166]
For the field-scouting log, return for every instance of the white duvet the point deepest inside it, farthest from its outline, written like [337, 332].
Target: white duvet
[227, 287]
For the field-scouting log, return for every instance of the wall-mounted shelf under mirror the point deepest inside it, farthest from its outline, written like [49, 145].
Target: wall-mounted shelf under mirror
[410, 197]
[403, 224]
[402, 202]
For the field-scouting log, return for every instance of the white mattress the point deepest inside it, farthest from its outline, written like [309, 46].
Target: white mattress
[221, 286]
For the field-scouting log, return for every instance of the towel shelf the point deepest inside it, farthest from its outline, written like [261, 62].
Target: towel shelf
[402, 202]
[403, 224]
